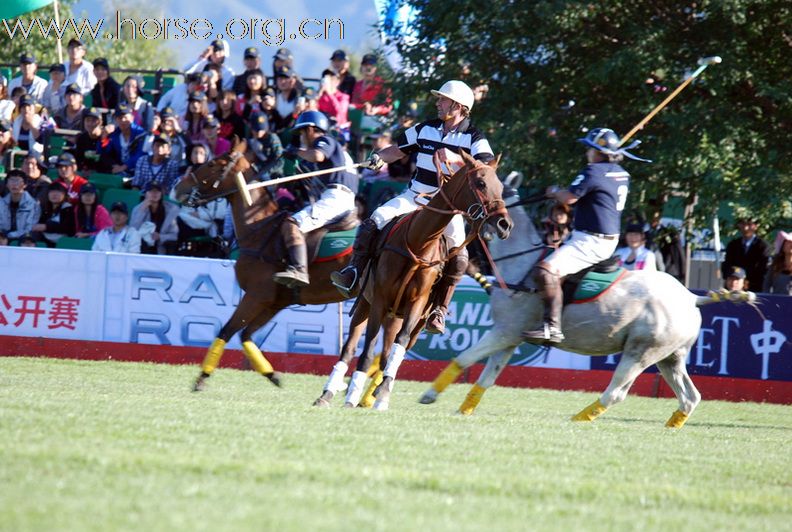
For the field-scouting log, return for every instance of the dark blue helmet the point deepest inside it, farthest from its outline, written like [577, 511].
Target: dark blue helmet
[316, 119]
[607, 141]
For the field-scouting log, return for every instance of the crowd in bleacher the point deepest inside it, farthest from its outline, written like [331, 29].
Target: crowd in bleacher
[90, 161]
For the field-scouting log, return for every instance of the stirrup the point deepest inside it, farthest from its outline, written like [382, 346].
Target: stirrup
[547, 333]
[341, 287]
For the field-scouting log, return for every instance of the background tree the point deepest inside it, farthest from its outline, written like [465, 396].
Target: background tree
[557, 68]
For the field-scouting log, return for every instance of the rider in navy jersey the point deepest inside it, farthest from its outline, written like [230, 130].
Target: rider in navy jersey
[599, 193]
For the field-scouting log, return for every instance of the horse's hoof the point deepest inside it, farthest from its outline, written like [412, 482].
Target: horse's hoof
[324, 399]
[429, 397]
[275, 378]
[200, 384]
[381, 405]
[348, 405]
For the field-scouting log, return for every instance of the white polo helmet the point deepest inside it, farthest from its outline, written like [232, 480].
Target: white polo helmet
[457, 91]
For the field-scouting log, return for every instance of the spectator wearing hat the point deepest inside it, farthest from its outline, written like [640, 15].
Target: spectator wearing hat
[29, 125]
[635, 255]
[120, 237]
[169, 126]
[736, 279]
[33, 84]
[7, 105]
[267, 148]
[107, 90]
[194, 118]
[71, 115]
[211, 134]
[160, 215]
[52, 99]
[177, 98]
[217, 52]
[57, 216]
[67, 176]
[371, 95]
[339, 63]
[287, 95]
[142, 110]
[749, 252]
[252, 62]
[90, 216]
[158, 167]
[250, 100]
[19, 211]
[779, 277]
[284, 58]
[86, 147]
[124, 146]
[78, 70]
[212, 85]
[231, 124]
[333, 102]
[36, 180]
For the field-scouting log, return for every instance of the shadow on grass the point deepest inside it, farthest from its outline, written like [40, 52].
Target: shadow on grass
[701, 424]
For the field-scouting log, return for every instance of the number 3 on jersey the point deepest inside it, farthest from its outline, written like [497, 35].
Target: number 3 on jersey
[622, 193]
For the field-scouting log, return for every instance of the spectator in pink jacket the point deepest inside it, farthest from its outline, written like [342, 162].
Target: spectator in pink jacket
[332, 101]
[90, 216]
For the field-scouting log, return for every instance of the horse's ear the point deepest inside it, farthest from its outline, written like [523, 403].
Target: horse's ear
[495, 162]
[467, 157]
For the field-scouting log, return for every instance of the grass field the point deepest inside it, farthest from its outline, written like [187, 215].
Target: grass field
[120, 446]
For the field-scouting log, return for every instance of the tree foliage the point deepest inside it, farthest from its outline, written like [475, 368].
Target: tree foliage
[724, 138]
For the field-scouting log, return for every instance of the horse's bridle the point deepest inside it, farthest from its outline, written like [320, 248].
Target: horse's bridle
[196, 197]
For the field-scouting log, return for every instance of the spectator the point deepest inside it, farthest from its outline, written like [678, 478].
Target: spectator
[178, 97]
[170, 127]
[212, 85]
[748, 252]
[3, 238]
[27, 241]
[217, 144]
[7, 105]
[28, 126]
[142, 111]
[77, 69]
[370, 94]
[71, 115]
[286, 96]
[33, 84]
[779, 278]
[162, 216]
[53, 96]
[197, 154]
[124, 146]
[196, 115]
[67, 176]
[216, 53]
[635, 255]
[90, 217]
[157, 167]
[267, 148]
[36, 180]
[6, 144]
[339, 62]
[268, 108]
[736, 279]
[284, 58]
[106, 92]
[252, 62]
[119, 237]
[333, 102]
[57, 216]
[250, 100]
[231, 124]
[19, 211]
[381, 141]
[557, 224]
[86, 149]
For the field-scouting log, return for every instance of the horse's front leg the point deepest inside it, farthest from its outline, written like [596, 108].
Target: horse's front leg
[494, 367]
[367, 357]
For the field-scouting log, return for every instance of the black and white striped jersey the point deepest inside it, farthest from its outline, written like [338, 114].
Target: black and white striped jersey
[427, 137]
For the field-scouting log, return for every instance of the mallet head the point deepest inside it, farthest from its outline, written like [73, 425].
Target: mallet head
[712, 60]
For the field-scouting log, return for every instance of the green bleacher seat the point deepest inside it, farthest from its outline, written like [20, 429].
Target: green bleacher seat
[56, 144]
[106, 180]
[72, 242]
[88, 100]
[130, 197]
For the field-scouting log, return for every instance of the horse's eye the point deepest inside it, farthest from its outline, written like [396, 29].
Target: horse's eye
[481, 184]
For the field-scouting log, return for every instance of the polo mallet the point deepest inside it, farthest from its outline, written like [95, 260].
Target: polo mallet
[245, 188]
[704, 62]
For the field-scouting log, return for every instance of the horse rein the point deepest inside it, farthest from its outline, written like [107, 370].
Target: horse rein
[196, 198]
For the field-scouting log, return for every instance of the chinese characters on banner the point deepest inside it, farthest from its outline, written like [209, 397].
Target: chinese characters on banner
[38, 312]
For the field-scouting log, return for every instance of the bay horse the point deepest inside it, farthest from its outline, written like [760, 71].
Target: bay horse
[648, 316]
[401, 277]
[256, 228]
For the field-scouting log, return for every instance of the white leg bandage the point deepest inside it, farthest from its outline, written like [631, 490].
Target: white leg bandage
[394, 361]
[335, 383]
[356, 387]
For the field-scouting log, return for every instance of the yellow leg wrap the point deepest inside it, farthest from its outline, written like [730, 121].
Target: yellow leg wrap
[472, 400]
[591, 412]
[367, 401]
[257, 360]
[447, 376]
[375, 367]
[676, 420]
[212, 358]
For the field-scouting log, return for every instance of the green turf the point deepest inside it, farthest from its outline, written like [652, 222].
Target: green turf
[119, 446]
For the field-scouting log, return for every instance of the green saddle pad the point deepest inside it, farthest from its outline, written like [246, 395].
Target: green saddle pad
[594, 284]
[335, 245]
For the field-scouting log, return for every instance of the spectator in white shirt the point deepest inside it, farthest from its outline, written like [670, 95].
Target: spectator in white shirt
[121, 237]
[635, 255]
[7, 105]
[53, 98]
[216, 53]
[78, 70]
[33, 84]
[178, 97]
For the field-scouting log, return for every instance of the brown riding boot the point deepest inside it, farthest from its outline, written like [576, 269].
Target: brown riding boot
[347, 279]
[549, 287]
[296, 273]
[452, 274]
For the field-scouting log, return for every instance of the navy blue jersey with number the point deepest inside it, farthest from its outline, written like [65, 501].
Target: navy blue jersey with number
[601, 189]
[334, 156]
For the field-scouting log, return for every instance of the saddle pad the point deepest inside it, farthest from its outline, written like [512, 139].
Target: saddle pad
[595, 284]
[336, 245]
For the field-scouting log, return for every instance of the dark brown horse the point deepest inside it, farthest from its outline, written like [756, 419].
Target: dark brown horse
[410, 264]
[256, 228]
